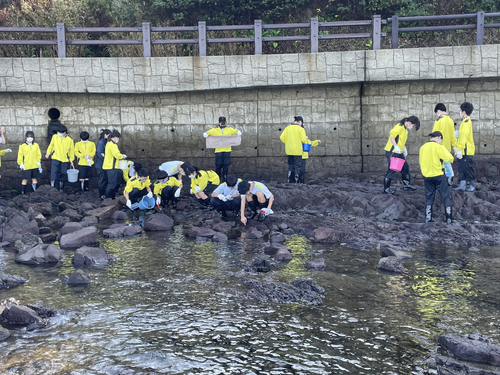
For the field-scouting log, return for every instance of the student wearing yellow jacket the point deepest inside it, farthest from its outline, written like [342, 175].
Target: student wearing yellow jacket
[203, 184]
[466, 150]
[222, 154]
[432, 156]
[446, 126]
[138, 187]
[396, 147]
[111, 164]
[293, 137]
[29, 160]
[62, 150]
[85, 152]
[166, 189]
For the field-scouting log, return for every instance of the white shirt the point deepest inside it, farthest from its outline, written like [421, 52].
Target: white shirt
[170, 167]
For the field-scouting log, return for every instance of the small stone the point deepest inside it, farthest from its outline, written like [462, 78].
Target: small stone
[282, 254]
[78, 277]
[316, 264]
[392, 264]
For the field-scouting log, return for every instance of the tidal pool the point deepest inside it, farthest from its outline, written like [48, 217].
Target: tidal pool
[169, 305]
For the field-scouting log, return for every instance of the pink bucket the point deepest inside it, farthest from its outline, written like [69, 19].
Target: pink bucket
[396, 164]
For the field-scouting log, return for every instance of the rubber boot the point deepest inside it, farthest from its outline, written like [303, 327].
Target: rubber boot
[23, 189]
[462, 186]
[235, 214]
[86, 184]
[289, 178]
[448, 213]
[297, 178]
[82, 185]
[302, 177]
[472, 186]
[61, 187]
[206, 205]
[450, 181]
[219, 172]
[225, 171]
[174, 202]
[387, 186]
[52, 183]
[406, 183]
[33, 185]
[428, 214]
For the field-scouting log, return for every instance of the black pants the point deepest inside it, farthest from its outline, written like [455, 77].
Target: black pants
[440, 184]
[222, 163]
[167, 194]
[302, 175]
[58, 171]
[294, 164]
[135, 195]
[102, 181]
[466, 168]
[405, 171]
[255, 205]
[114, 176]
[230, 205]
[210, 189]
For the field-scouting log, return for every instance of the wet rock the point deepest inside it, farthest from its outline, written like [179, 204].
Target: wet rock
[110, 202]
[43, 312]
[119, 215]
[4, 334]
[58, 222]
[158, 222]
[122, 230]
[282, 254]
[181, 206]
[323, 234]
[102, 213]
[7, 281]
[41, 254]
[300, 291]
[32, 227]
[40, 219]
[316, 264]
[20, 315]
[254, 234]
[90, 220]
[277, 238]
[391, 264]
[447, 366]
[78, 278]
[222, 226]
[87, 206]
[473, 347]
[46, 193]
[219, 237]
[91, 256]
[72, 214]
[288, 231]
[70, 227]
[27, 241]
[85, 236]
[44, 208]
[48, 237]
[260, 265]
[283, 226]
[272, 248]
[389, 251]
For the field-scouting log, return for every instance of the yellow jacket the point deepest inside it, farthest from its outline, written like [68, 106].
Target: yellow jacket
[465, 139]
[2, 153]
[431, 159]
[227, 131]
[305, 154]
[82, 149]
[112, 156]
[446, 126]
[134, 182]
[293, 136]
[29, 155]
[203, 179]
[400, 134]
[63, 148]
[159, 186]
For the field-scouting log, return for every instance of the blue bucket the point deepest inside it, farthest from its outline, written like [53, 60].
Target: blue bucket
[146, 203]
[306, 147]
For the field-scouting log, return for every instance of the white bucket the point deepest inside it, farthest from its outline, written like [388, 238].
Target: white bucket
[123, 164]
[72, 174]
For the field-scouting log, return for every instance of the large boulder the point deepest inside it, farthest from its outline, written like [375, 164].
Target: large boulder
[46, 193]
[20, 315]
[4, 334]
[91, 256]
[316, 264]
[219, 237]
[7, 281]
[119, 215]
[391, 264]
[27, 241]
[45, 208]
[82, 237]
[300, 291]
[474, 347]
[72, 214]
[32, 228]
[58, 222]
[70, 227]
[102, 213]
[41, 254]
[282, 254]
[158, 222]
[78, 278]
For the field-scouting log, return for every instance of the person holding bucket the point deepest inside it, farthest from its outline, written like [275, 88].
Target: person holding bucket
[203, 184]
[446, 126]
[102, 177]
[396, 149]
[62, 150]
[138, 187]
[29, 159]
[85, 152]
[294, 136]
[166, 189]
[111, 163]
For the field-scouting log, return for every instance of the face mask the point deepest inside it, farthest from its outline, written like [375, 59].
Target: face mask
[143, 181]
[163, 181]
[223, 126]
[192, 176]
[461, 116]
[115, 142]
[84, 141]
[61, 135]
[29, 139]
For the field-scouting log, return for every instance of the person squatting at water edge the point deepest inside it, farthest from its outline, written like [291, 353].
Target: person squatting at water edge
[222, 154]
[432, 155]
[258, 196]
[465, 150]
[62, 150]
[305, 156]
[138, 187]
[111, 162]
[173, 168]
[29, 159]
[167, 189]
[85, 152]
[446, 126]
[395, 147]
[203, 184]
[226, 197]
[102, 176]
[293, 137]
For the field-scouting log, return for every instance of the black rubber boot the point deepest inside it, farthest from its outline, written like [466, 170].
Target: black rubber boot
[428, 214]
[472, 186]
[224, 174]
[206, 205]
[406, 183]
[174, 203]
[61, 187]
[86, 185]
[23, 189]
[448, 213]
[387, 186]
[235, 214]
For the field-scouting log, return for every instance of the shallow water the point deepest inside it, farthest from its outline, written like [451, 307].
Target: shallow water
[169, 306]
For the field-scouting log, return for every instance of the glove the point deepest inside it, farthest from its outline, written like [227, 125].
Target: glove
[124, 156]
[405, 152]
[89, 162]
[38, 164]
[102, 154]
[454, 150]
[397, 150]
[456, 134]
[239, 132]
[459, 154]
[8, 150]
[205, 135]
[190, 191]
[129, 204]
[222, 197]
[40, 169]
[22, 166]
[197, 189]
[228, 197]
[150, 194]
[177, 193]
[158, 201]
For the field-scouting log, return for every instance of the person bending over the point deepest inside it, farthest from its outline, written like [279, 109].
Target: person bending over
[203, 184]
[258, 197]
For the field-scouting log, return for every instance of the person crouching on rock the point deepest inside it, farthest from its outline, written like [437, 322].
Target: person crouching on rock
[258, 197]
[432, 156]
[111, 164]
[166, 189]
[138, 187]
[226, 197]
[203, 184]
[29, 159]
[395, 147]
[62, 150]
[85, 152]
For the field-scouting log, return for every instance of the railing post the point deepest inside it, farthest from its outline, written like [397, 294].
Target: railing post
[61, 40]
[146, 38]
[376, 31]
[480, 28]
[202, 37]
[257, 32]
[314, 35]
[395, 32]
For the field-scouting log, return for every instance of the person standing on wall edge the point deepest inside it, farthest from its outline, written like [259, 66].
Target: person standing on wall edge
[222, 154]
[465, 150]
[293, 137]
[446, 126]
[432, 155]
[395, 147]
